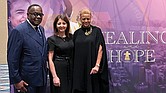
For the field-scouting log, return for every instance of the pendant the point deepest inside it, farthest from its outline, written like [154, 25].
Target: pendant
[63, 39]
[88, 32]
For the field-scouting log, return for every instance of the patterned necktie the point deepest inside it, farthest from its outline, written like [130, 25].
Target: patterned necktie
[38, 31]
[40, 35]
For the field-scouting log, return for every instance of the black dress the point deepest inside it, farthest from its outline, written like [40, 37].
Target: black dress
[63, 50]
[86, 50]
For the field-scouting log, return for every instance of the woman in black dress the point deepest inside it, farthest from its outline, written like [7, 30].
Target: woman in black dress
[60, 47]
[90, 73]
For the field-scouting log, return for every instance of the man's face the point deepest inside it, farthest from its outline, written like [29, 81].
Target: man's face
[85, 20]
[18, 12]
[35, 15]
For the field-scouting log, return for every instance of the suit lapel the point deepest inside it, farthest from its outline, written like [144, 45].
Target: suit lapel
[43, 35]
[44, 40]
[34, 35]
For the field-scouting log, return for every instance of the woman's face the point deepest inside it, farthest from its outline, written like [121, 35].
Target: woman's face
[85, 20]
[61, 25]
[18, 12]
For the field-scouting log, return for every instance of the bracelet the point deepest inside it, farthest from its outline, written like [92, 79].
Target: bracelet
[98, 65]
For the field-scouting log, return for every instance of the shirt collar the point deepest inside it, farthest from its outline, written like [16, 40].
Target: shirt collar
[31, 24]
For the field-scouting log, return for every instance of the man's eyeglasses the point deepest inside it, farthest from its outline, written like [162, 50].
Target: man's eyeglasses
[37, 14]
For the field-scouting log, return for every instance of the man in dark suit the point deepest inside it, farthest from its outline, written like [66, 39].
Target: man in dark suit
[27, 54]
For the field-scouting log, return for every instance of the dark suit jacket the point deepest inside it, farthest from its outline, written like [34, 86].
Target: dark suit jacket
[27, 55]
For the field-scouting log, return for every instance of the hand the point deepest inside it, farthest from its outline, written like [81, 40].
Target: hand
[56, 81]
[94, 70]
[21, 86]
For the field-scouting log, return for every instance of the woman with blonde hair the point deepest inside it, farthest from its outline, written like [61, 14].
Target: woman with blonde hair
[90, 72]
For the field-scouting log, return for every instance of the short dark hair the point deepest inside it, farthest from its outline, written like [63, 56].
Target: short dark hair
[65, 18]
[32, 6]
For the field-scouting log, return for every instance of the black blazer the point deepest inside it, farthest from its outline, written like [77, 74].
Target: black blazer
[27, 55]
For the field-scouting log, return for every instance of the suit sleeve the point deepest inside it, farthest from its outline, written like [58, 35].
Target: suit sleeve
[14, 50]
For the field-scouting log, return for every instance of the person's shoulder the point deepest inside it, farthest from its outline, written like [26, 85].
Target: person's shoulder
[51, 37]
[18, 30]
[70, 35]
[78, 30]
[95, 27]
[21, 26]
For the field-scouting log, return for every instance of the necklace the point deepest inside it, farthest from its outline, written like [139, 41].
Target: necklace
[88, 32]
[61, 36]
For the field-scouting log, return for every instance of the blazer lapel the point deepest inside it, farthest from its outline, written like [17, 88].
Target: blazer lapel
[44, 40]
[43, 35]
[32, 33]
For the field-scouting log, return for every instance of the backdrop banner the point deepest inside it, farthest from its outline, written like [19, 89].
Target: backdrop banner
[134, 32]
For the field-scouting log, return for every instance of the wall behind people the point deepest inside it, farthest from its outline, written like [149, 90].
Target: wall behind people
[135, 62]
[3, 31]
